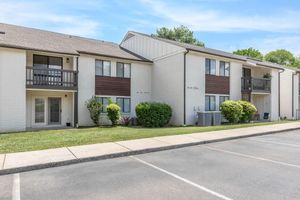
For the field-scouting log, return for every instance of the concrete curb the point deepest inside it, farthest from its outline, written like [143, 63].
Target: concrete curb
[130, 153]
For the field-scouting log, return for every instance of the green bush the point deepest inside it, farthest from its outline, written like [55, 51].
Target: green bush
[248, 110]
[94, 107]
[113, 113]
[152, 114]
[232, 111]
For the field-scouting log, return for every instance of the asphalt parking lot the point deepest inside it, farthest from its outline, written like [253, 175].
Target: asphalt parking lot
[264, 167]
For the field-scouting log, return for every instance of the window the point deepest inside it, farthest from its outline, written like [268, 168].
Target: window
[210, 66]
[124, 104]
[222, 99]
[103, 68]
[104, 101]
[224, 68]
[210, 103]
[39, 110]
[45, 62]
[123, 70]
[47, 77]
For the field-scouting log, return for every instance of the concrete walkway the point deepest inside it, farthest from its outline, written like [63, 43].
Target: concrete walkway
[25, 161]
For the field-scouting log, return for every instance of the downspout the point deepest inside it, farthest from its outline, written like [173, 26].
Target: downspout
[279, 99]
[293, 95]
[184, 86]
[76, 97]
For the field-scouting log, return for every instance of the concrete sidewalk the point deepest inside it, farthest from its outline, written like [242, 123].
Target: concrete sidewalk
[25, 161]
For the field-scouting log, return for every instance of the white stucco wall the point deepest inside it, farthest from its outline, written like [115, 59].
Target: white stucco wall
[274, 95]
[195, 86]
[287, 93]
[66, 106]
[12, 90]
[167, 84]
[236, 72]
[86, 88]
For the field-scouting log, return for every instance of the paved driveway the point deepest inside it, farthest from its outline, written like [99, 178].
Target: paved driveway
[265, 167]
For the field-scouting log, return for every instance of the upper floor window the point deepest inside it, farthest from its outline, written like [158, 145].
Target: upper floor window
[210, 66]
[124, 104]
[45, 62]
[210, 103]
[123, 70]
[103, 68]
[224, 68]
[104, 101]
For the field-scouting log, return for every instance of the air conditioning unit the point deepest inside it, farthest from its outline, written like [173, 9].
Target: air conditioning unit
[205, 118]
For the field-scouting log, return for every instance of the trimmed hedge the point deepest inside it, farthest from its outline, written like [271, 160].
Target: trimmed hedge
[153, 114]
[231, 110]
[248, 111]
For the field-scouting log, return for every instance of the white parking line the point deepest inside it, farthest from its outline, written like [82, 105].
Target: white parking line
[252, 157]
[272, 142]
[16, 187]
[182, 179]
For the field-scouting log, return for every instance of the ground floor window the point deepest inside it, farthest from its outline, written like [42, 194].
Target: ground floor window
[210, 103]
[104, 101]
[222, 99]
[124, 104]
[39, 110]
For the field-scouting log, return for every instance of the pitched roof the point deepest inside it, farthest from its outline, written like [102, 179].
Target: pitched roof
[41, 40]
[216, 52]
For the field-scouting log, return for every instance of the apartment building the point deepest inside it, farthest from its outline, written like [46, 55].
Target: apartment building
[46, 78]
[194, 79]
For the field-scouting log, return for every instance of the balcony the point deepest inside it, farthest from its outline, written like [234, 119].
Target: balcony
[250, 84]
[46, 78]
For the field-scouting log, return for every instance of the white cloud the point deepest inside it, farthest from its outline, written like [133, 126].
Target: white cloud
[40, 15]
[199, 19]
[290, 43]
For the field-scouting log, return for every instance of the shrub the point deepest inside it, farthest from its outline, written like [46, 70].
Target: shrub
[248, 111]
[94, 107]
[153, 114]
[113, 113]
[232, 111]
[126, 120]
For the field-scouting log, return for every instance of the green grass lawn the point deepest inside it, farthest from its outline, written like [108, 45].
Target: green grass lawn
[46, 139]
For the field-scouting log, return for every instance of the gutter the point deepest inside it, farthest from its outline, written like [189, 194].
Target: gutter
[184, 86]
[279, 99]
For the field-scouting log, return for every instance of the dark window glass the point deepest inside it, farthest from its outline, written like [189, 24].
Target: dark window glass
[210, 66]
[124, 104]
[103, 68]
[210, 103]
[224, 68]
[104, 101]
[123, 70]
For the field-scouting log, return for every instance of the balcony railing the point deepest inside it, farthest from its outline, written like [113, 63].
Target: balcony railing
[50, 78]
[250, 84]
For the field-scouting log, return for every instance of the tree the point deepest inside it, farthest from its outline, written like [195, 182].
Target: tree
[180, 34]
[282, 57]
[94, 107]
[250, 52]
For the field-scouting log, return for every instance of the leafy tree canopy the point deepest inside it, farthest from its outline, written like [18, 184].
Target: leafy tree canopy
[282, 57]
[180, 34]
[250, 52]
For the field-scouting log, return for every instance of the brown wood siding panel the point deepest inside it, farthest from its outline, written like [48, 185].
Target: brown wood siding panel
[216, 84]
[114, 86]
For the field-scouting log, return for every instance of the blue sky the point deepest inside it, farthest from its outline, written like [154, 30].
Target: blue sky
[222, 24]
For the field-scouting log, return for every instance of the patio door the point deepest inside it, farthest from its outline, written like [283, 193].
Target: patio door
[54, 111]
